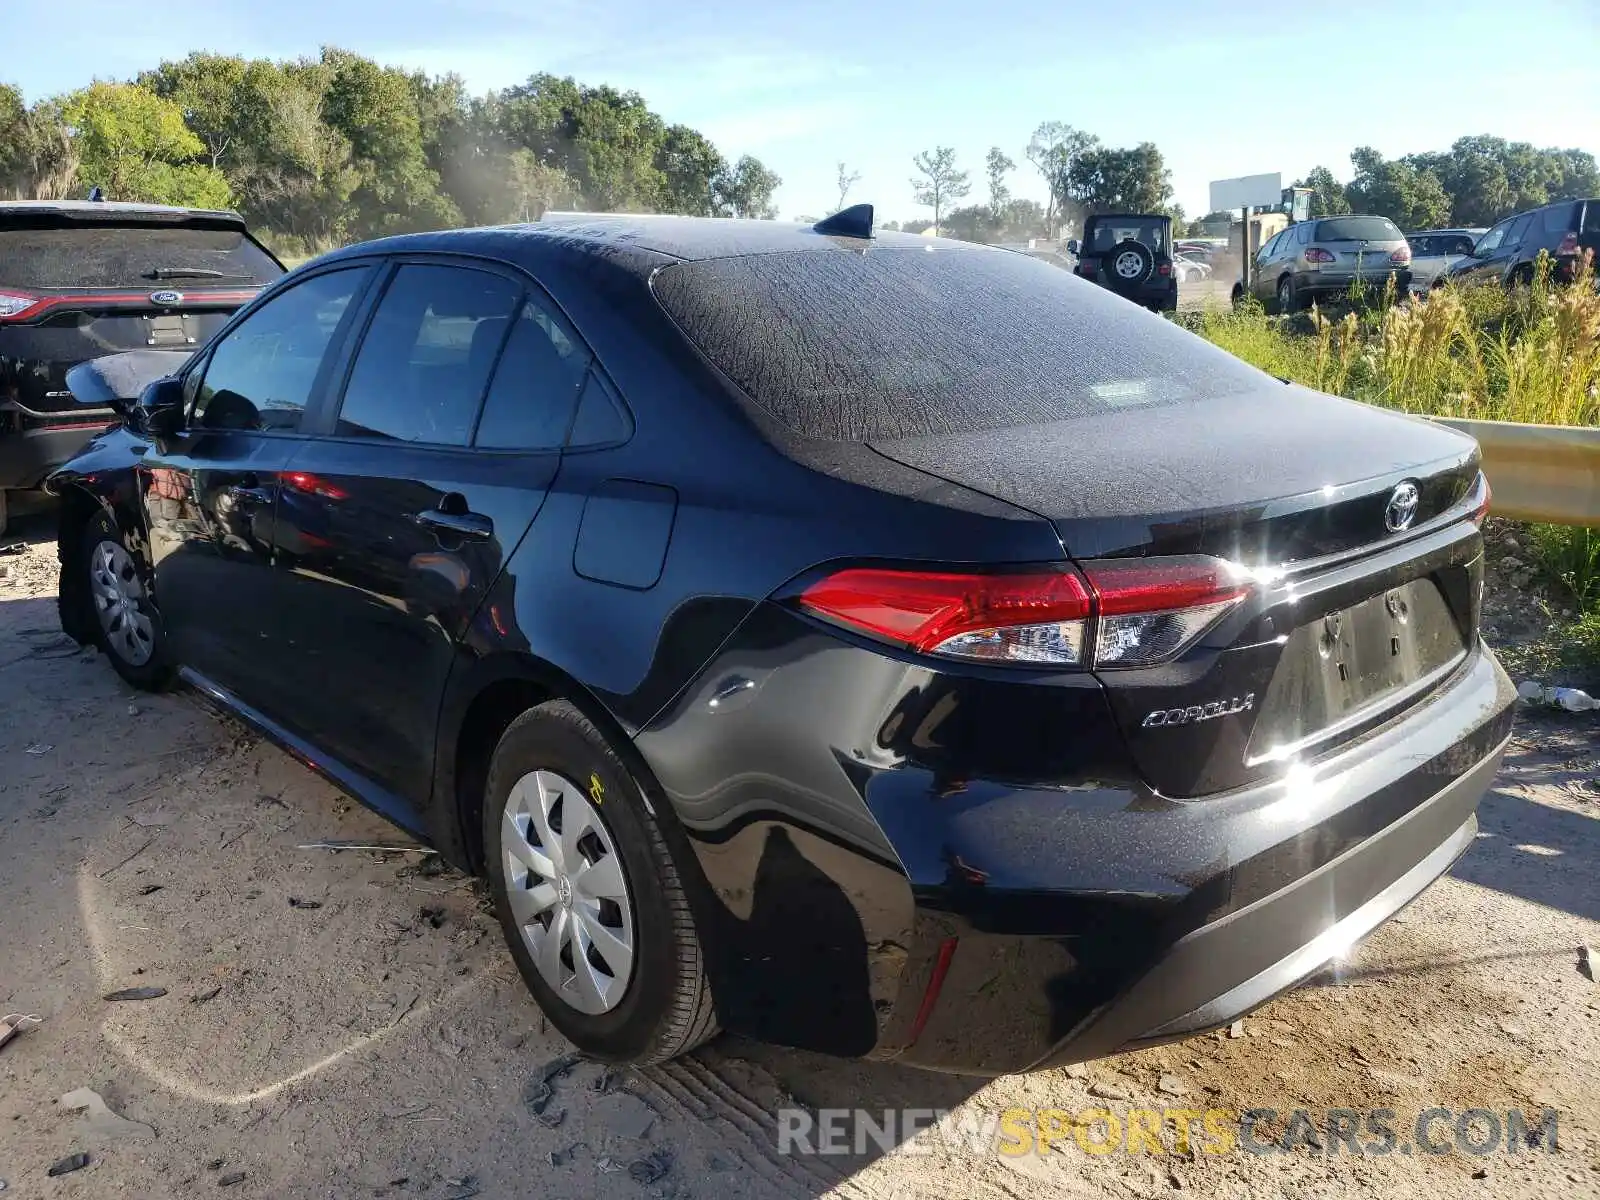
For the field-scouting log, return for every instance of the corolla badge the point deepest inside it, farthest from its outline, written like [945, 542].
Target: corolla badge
[166, 297]
[1402, 508]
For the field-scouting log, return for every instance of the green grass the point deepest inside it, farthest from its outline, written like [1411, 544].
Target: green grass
[1528, 355]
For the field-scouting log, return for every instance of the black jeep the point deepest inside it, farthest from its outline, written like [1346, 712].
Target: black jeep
[1130, 253]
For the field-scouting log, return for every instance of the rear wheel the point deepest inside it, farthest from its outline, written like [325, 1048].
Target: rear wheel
[1287, 301]
[127, 625]
[588, 896]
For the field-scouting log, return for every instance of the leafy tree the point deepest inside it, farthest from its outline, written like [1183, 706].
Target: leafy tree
[689, 165]
[918, 226]
[1412, 199]
[1327, 193]
[847, 179]
[1054, 150]
[745, 190]
[375, 109]
[135, 145]
[940, 182]
[1110, 180]
[1488, 178]
[973, 223]
[998, 167]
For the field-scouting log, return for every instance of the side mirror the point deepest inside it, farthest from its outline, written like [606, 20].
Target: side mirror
[159, 412]
[1073, 246]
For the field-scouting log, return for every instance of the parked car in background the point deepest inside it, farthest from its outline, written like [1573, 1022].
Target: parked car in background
[1130, 254]
[1434, 251]
[80, 279]
[1188, 270]
[1325, 259]
[667, 572]
[1506, 254]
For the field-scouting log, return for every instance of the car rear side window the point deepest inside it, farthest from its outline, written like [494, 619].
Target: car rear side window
[535, 385]
[901, 342]
[1559, 219]
[261, 372]
[426, 356]
[139, 256]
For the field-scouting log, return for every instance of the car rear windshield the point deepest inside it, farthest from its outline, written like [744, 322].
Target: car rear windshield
[898, 342]
[1358, 229]
[1104, 233]
[131, 255]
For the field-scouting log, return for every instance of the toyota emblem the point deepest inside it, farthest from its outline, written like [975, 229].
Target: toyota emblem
[1402, 508]
[167, 298]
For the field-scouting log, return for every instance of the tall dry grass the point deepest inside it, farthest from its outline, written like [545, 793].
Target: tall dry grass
[1530, 354]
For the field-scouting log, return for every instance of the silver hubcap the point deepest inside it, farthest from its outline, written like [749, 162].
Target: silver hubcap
[567, 891]
[1128, 264]
[119, 598]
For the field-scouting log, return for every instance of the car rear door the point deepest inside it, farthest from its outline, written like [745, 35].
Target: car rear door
[210, 491]
[428, 467]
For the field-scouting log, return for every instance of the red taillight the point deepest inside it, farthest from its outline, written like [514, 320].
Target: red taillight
[1142, 611]
[1481, 495]
[1318, 255]
[1088, 269]
[1034, 616]
[1569, 244]
[313, 485]
[1402, 255]
[1164, 269]
[1152, 609]
[15, 304]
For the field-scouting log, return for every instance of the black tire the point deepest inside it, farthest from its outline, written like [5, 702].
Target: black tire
[1288, 302]
[1122, 273]
[154, 673]
[1520, 276]
[666, 1009]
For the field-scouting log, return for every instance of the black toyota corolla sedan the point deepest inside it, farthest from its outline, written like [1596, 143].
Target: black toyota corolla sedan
[886, 646]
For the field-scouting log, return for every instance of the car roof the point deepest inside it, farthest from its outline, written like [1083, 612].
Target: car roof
[623, 235]
[1431, 232]
[1128, 217]
[103, 208]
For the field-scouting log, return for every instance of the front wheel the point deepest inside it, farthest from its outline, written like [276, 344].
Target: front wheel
[127, 624]
[589, 898]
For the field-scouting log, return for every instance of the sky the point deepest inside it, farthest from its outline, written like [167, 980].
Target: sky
[1223, 88]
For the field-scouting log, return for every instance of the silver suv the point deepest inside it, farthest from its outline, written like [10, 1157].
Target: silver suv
[1325, 258]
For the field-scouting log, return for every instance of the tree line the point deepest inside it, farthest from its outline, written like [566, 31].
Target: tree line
[1478, 181]
[319, 152]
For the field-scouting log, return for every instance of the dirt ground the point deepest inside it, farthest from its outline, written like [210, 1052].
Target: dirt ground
[347, 1024]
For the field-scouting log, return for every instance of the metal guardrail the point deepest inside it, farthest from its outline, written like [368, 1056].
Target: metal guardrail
[1548, 473]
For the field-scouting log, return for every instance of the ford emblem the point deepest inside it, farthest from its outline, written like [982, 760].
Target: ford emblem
[167, 298]
[1402, 508]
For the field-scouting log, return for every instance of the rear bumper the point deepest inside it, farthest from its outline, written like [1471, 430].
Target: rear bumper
[1278, 912]
[28, 455]
[1329, 283]
[856, 826]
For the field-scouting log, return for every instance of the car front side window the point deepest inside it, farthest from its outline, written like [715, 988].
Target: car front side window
[261, 373]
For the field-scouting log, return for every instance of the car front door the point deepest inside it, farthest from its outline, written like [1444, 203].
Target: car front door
[1264, 283]
[427, 468]
[1481, 267]
[210, 490]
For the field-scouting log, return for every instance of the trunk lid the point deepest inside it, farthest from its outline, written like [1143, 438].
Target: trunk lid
[1349, 623]
[1267, 477]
